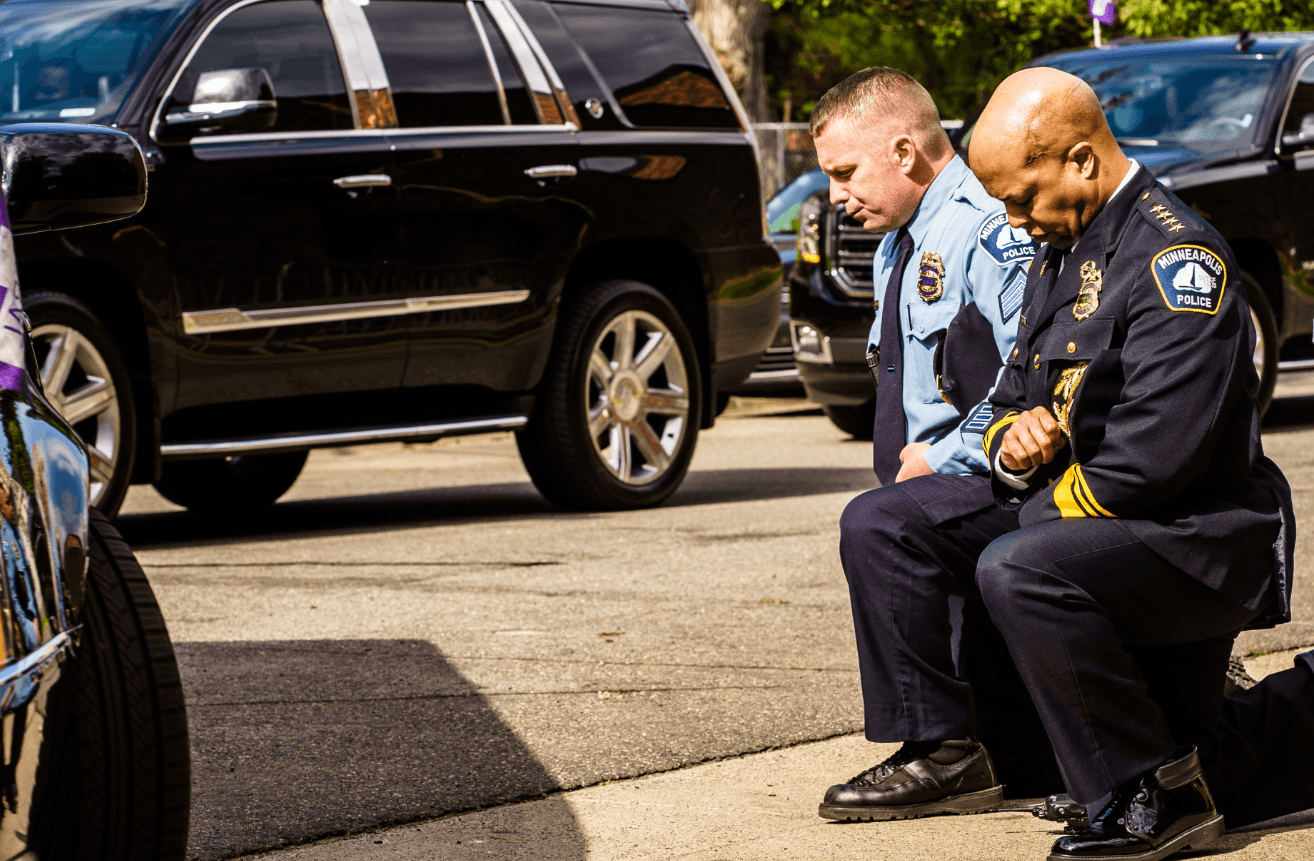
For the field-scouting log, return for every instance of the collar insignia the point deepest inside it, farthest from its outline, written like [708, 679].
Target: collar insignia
[1092, 281]
[930, 280]
[1170, 221]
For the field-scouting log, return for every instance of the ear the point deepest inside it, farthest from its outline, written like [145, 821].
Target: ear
[903, 152]
[1082, 157]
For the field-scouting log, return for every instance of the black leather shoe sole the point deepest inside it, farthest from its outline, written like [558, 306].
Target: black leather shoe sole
[971, 802]
[1195, 838]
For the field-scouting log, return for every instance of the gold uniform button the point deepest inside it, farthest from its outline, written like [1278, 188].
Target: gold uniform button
[1072, 346]
[1037, 361]
[1145, 196]
[1015, 352]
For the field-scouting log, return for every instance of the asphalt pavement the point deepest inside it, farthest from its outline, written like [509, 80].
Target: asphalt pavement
[413, 634]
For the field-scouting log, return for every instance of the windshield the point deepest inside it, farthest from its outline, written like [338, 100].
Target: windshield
[76, 61]
[1204, 103]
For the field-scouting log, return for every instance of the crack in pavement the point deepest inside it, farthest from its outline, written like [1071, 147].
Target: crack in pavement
[485, 694]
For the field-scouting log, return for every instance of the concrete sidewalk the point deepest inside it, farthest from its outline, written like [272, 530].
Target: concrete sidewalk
[760, 806]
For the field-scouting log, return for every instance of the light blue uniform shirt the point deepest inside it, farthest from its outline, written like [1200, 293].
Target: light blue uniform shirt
[985, 261]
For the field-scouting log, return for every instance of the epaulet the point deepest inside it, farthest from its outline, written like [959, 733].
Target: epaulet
[1162, 213]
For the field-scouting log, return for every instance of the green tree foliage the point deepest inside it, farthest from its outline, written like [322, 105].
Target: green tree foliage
[960, 49]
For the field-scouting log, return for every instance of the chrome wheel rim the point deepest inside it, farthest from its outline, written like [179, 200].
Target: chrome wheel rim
[77, 382]
[1258, 356]
[636, 397]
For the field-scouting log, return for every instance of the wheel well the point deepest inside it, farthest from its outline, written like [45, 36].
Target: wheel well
[110, 294]
[1259, 259]
[662, 263]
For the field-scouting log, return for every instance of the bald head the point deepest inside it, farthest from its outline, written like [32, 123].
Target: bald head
[1043, 147]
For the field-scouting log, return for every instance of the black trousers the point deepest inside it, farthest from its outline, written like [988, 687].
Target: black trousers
[1263, 766]
[1124, 656]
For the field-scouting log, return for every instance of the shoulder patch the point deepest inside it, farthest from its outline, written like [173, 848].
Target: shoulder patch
[1010, 298]
[1190, 278]
[1004, 244]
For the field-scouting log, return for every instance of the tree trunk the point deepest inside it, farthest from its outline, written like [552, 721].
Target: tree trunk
[736, 30]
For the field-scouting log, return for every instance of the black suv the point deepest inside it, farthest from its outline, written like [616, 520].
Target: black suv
[1226, 123]
[395, 220]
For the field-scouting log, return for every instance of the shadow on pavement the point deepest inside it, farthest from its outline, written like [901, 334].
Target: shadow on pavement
[298, 740]
[380, 512]
[1290, 414]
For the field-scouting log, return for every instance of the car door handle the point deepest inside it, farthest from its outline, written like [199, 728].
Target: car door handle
[364, 180]
[546, 171]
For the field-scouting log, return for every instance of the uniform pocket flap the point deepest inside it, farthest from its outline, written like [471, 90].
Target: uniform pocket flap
[925, 320]
[1078, 342]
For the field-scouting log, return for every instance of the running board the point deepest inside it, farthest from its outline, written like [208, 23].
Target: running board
[204, 449]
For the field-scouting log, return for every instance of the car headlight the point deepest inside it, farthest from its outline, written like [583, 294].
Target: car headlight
[809, 226]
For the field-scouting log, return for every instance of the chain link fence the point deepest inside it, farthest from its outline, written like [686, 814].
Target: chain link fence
[786, 151]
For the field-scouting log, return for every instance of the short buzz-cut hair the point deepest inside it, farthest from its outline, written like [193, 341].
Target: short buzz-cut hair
[894, 94]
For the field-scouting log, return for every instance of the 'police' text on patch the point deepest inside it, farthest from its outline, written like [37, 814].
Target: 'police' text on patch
[1190, 278]
[1004, 244]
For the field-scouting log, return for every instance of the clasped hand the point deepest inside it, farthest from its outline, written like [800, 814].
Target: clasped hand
[1033, 439]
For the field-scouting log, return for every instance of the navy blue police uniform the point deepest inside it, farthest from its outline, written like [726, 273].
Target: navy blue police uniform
[1120, 573]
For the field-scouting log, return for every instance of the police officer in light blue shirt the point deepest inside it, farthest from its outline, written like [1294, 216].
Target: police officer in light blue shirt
[963, 252]
[948, 253]
[878, 137]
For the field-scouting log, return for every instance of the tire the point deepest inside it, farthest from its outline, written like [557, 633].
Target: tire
[86, 380]
[1266, 341]
[645, 416]
[858, 422]
[232, 484]
[117, 735]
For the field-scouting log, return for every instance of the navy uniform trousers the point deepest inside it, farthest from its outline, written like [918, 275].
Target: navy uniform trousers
[908, 549]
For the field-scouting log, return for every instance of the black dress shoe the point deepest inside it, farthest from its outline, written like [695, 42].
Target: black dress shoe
[912, 783]
[1165, 810]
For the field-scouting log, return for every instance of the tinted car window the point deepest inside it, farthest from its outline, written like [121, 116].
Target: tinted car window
[652, 64]
[76, 61]
[517, 94]
[436, 63]
[1302, 100]
[1206, 104]
[573, 67]
[291, 40]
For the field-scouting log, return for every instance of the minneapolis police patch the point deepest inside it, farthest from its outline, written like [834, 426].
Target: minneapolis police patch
[1190, 278]
[1004, 244]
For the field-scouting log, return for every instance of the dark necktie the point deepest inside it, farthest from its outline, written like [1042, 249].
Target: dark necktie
[891, 431]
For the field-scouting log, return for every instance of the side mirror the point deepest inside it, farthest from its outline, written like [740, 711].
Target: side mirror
[232, 101]
[56, 176]
[1302, 138]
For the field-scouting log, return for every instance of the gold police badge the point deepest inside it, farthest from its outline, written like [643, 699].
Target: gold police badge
[1092, 281]
[1065, 392]
[930, 280]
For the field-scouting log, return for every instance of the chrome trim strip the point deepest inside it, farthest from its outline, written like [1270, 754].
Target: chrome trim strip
[492, 61]
[564, 103]
[293, 442]
[353, 70]
[233, 319]
[292, 137]
[530, 71]
[364, 180]
[546, 170]
[32, 662]
[476, 130]
[1296, 365]
[781, 376]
